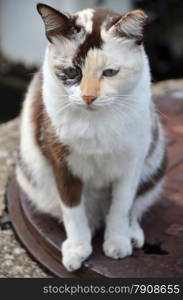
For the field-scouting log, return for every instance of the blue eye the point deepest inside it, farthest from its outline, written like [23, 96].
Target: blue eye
[110, 72]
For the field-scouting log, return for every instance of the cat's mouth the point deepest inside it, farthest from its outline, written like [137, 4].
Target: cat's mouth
[90, 107]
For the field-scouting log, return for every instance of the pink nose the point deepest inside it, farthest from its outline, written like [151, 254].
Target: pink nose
[89, 99]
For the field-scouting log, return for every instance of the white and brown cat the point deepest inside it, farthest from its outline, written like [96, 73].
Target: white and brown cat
[92, 149]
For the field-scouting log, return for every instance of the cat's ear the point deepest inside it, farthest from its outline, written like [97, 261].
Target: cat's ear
[131, 25]
[56, 23]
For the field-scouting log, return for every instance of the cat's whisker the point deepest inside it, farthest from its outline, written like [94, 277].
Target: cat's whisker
[63, 108]
[113, 102]
[116, 100]
[120, 96]
[119, 113]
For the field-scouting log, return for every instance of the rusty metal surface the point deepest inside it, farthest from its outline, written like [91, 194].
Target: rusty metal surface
[163, 225]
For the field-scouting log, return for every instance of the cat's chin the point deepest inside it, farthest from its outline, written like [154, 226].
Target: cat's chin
[90, 108]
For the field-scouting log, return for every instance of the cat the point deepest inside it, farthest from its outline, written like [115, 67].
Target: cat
[92, 147]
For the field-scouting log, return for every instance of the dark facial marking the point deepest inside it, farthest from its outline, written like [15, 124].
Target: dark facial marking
[93, 39]
[72, 73]
[70, 76]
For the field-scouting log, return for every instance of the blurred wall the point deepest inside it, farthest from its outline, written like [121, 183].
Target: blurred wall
[21, 29]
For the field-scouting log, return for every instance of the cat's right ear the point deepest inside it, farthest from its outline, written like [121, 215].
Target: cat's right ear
[57, 24]
[131, 25]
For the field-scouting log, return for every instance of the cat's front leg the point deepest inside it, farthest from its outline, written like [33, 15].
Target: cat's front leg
[77, 247]
[117, 237]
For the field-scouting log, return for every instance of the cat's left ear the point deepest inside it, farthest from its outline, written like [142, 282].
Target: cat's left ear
[131, 25]
[57, 24]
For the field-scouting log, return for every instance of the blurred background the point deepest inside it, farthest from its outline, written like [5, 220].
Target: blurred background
[22, 41]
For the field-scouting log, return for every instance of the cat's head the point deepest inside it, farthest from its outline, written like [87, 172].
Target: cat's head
[96, 55]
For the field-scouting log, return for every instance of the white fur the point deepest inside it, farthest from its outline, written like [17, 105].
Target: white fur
[77, 247]
[85, 19]
[108, 148]
[140, 206]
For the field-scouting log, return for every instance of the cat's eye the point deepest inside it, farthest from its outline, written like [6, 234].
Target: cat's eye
[110, 72]
[72, 73]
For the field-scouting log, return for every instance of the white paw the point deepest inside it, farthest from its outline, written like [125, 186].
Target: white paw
[74, 255]
[137, 236]
[117, 248]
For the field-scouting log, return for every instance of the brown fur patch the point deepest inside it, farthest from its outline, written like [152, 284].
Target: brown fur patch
[146, 186]
[69, 187]
[93, 39]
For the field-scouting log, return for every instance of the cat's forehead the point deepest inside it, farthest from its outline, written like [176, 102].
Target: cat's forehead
[84, 18]
[94, 21]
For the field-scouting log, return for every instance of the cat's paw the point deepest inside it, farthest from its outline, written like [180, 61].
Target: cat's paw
[117, 248]
[137, 236]
[74, 255]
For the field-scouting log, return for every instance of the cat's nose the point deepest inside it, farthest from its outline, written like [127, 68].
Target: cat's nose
[89, 99]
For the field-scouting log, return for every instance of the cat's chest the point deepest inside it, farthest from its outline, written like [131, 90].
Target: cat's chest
[98, 170]
[98, 154]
